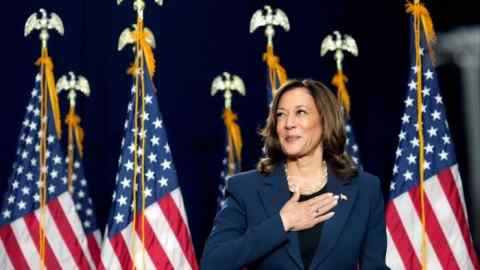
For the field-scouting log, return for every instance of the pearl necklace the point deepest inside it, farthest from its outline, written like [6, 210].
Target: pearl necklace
[313, 188]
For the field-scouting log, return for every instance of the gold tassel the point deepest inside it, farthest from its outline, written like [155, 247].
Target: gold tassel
[274, 67]
[52, 89]
[339, 80]
[420, 11]
[74, 120]
[139, 35]
[233, 131]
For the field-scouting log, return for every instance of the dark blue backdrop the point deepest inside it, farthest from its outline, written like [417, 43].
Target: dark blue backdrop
[197, 40]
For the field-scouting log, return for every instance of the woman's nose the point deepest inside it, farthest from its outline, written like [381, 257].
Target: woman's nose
[290, 122]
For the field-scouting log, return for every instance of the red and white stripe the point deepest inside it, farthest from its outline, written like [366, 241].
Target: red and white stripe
[66, 244]
[167, 242]
[449, 245]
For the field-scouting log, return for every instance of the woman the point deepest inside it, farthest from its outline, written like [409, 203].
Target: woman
[306, 206]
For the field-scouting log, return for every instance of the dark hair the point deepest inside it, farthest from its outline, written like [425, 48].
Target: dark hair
[333, 134]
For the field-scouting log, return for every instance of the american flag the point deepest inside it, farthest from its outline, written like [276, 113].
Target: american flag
[84, 206]
[20, 214]
[448, 241]
[163, 242]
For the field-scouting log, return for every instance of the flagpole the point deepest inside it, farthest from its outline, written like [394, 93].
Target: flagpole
[421, 21]
[43, 24]
[144, 41]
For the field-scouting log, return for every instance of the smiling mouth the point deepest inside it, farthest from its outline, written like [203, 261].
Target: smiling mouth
[291, 138]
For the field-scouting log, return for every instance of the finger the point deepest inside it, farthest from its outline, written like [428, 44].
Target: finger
[323, 218]
[326, 197]
[296, 195]
[322, 208]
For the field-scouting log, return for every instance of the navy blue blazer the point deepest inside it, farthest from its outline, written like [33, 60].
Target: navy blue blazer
[248, 231]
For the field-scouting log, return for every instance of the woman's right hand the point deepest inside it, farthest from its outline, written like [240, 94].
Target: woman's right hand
[298, 216]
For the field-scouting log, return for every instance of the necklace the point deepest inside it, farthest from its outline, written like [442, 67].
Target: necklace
[309, 189]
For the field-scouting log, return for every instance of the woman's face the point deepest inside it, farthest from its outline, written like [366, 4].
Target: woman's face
[298, 123]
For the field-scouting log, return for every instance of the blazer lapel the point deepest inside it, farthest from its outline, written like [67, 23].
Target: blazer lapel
[333, 227]
[274, 195]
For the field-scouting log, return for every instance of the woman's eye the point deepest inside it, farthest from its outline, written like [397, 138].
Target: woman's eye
[301, 112]
[279, 115]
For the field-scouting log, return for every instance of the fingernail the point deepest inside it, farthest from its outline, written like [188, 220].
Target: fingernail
[336, 197]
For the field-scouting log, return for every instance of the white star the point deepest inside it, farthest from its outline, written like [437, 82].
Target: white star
[421, 51]
[398, 152]
[148, 192]
[414, 69]
[76, 164]
[54, 174]
[11, 199]
[166, 164]
[428, 74]
[426, 91]
[432, 131]
[131, 148]
[57, 159]
[142, 134]
[167, 148]
[33, 126]
[152, 157]
[395, 169]
[89, 212]
[118, 218]
[125, 183]
[20, 170]
[405, 118]
[426, 165]
[408, 175]
[158, 123]
[25, 190]
[443, 155]
[402, 135]
[155, 140]
[36, 197]
[429, 148]
[50, 139]
[412, 85]
[408, 102]
[129, 165]
[122, 200]
[435, 115]
[145, 116]
[28, 140]
[51, 189]
[150, 175]
[130, 106]
[392, 185]
[414, 142]
[21, 205]
[15, 184]
[446, 139]
[33, 161]
[86, 224]
[148, 99]
[24, 154]
[438, 99]
[6, 213]
[412, 159]
[81, 194]
[163, 182]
